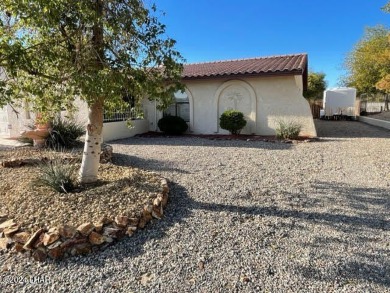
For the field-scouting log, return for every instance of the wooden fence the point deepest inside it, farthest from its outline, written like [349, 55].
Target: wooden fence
[315, 110]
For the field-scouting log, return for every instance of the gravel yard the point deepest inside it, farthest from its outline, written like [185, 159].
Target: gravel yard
[246, 216]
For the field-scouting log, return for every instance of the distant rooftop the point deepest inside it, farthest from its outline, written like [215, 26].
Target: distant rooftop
[273, 65]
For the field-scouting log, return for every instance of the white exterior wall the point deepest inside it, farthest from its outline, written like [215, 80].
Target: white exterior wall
[80, 114]
[111, 130]
[119, 129]
[264, 101]
[19, 122]
[4, 131]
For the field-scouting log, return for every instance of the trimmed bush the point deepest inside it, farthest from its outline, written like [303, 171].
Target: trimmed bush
[233, 121]
[172, 125]
[288, 129]
[57, 175]
[64, 134]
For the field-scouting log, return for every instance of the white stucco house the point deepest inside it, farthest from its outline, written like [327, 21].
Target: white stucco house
[265, 89]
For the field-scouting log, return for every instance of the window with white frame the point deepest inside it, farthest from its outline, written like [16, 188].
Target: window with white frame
[180, 108]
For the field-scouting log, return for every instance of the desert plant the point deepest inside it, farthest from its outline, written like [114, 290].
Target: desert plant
[64, 134]
[57, 174]
[25, 140]
[287, 129]
[172, 125]
[233, 121]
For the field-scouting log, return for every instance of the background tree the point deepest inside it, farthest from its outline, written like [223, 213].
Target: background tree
[369, 63]
[53, 51]
[316, 85]
[386, 8]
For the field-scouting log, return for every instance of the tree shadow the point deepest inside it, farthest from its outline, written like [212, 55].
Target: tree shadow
[203, 142]
[348, 272]
[351, 219]
[146, 164]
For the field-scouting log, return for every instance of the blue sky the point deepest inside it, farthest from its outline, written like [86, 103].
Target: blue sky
[210, 30]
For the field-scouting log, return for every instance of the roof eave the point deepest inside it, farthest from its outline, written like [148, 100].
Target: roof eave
[261, 74]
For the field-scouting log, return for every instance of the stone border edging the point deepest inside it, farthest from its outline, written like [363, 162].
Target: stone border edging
[64, 241]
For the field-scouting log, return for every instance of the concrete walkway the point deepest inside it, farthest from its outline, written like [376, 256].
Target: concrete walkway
[7, 143]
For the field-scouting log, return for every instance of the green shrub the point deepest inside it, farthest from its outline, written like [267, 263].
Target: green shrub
[172, 125]
[58, 175]
[64, 134]
[288, 129]
[233, 121]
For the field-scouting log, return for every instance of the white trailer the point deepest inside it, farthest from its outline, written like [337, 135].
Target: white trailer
[340, 103]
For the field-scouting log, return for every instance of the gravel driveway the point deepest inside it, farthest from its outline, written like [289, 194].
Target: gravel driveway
[248, 216]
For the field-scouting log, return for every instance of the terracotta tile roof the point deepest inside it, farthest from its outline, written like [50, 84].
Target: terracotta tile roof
[285, 64]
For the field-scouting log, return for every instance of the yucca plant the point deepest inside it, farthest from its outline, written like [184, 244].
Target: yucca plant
[58, 175]
[64, 134]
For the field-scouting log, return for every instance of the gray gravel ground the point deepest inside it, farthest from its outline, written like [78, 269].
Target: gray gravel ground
[247, 216]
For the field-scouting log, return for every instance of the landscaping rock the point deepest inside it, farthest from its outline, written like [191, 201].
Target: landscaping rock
[67, 231]
[9, 231]
[121, 221]
[146, 216]
[50, 238]
[106, 154]
[133, 222]
[157, 212]
[98, 227]
[55, 244]
[72, 242]
[85, 229]
[21, 237]
[131, 230]
[30, 242]
[96, 238]
[112, 232]
[83, 248]
[164, 199]
[39, 254]
[7, 224]
[55, 253]
[39, 241]
[18, 247]
[5, 243]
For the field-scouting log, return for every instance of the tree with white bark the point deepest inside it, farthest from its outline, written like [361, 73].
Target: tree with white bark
[54, 51]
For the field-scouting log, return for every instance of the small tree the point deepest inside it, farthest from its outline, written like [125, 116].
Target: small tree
[368, 64]
[316, 85]
[233, 121]
[53, 51]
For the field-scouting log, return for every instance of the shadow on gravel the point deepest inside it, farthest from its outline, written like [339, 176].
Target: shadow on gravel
[331, 219]
[349, 129]
[204, 142]
[349, 273]
[181, 207]
[146, 164]
[361, 217]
